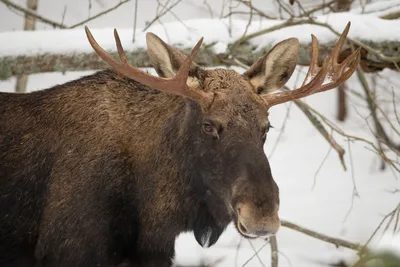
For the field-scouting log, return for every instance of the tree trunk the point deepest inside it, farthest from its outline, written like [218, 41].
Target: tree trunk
[342, 104]
[30, 23]
[342, 5]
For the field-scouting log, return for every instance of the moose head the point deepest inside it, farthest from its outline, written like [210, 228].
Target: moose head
[225, 120]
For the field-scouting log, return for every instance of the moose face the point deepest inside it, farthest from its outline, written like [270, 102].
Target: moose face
[228, 119]
[230, 154]
[229, 132]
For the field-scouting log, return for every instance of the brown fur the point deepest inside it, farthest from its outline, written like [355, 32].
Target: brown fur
[103, 170]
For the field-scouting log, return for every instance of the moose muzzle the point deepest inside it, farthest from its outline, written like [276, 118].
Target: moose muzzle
[253, 222]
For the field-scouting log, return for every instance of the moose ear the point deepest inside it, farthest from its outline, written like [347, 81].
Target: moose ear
[165, 59]
[270, 72]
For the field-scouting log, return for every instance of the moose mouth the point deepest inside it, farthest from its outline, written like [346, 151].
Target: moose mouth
[243, 231]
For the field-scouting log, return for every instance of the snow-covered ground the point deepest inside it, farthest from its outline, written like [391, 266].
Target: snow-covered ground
[319, 198]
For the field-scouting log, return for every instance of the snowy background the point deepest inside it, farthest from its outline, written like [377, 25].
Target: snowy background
[316, 192]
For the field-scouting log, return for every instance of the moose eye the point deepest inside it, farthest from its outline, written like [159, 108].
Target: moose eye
[209, 129]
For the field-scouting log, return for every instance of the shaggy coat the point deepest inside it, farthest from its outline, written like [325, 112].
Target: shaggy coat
[104, 170]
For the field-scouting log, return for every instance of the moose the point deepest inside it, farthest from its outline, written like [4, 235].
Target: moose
[108, 169]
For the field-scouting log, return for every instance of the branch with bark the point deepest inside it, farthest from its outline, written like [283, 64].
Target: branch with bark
[49, 62]
[33, 14]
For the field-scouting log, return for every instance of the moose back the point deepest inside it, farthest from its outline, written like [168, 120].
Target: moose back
[110, 168]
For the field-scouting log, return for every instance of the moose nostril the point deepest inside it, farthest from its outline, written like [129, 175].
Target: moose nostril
[262, 233]
[242, 228]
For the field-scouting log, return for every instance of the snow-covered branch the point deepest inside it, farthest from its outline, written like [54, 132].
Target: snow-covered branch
[61, 62]
[65, 50]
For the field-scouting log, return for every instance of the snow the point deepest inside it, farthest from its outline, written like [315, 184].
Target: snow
[364, 27]
[329, 205]
[378, 8]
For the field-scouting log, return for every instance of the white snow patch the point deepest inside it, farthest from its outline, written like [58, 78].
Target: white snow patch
[366, 27]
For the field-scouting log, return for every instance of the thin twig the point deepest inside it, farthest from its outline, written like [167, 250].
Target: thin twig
[352, 137]
[320, 166]
[237, 251]
[281, 5]
[373, 106]
[209, 8]
[290, 22]
[287, 23]
[318, 125]
[282, 129]
[381, 134]
[99, 14]
[249, 21]
[353, 179]
[161, 14]
[255, 254]
[90, 8]
[358, 43]
[63, 15]
[274, 251]
[324, 5]
[336, 241]
[135, 21]
[258, 11]
[364, 248]
[33, 14]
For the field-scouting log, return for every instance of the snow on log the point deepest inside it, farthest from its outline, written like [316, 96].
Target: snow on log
[66, 50]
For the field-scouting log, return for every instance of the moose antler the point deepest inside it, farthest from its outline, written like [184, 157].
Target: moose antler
[175, 85]
[330, 69]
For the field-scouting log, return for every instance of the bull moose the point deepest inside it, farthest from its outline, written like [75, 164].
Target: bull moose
[111, 167]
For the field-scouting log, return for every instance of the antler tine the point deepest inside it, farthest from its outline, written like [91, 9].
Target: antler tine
[314, 68]
[330, 68]
[339, 44]
[335, 70]
[99, 51]
[120, 49]
[183, 71]
[351, 62]
[175, 85]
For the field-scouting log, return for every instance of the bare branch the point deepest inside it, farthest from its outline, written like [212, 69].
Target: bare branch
[253, 8]
[255, 254]
[274, 251]
[318, 125]
[389, 215]
[358, 43]
[373, 106]
[56, 24]
[135, 21]
[285, 24]
[33, 14]
[336, 241]
[99, 14]
[161, 14]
